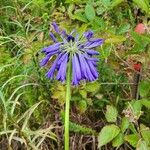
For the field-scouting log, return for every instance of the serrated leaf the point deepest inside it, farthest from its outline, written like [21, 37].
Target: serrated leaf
[124, 124]
[111, 113]
[118, 140]
[92, 87]
[132, 139]
[89, 12]
[145, 132]
[107, 134]
[83, 93]
[142, 145]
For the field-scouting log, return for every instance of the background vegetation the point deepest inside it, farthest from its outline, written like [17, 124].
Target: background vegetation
[111, 113]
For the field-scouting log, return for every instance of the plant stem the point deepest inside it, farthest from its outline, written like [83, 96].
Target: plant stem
[68, 96]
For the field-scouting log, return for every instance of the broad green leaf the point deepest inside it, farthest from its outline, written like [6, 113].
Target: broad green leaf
[107, 134]
[118, 140]
[136, 106]
[137, 38]
[111, 113]
[143, 4]
[132, 139]
[144, 88]
[124, 124]
[145, 132]
[81, 17]
[142, 145]
[89, 12]
[145, 102]
[123, 28]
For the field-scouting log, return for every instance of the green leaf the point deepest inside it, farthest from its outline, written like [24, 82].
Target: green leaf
[123, 28]
[111, 113]
[142, 145]
[82, 106]
[89, 12]
[124, 124]
[116, 3]
[83, 93]
[118, 140]
[107, 134]
[143, 4]
[136, 106]
[115, 39]
[132, 139]
[92, 87]
[81, 17]
[144, 88]
[145, 102]
[145, 132]
[137, 38]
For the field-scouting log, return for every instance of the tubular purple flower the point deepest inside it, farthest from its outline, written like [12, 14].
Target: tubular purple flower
[61, 75]
[93, 43]
[53, 37]
[75, 63]
[51, 48]
[50, 73]
[55, 26]
[88, 35]
[93, 69]
[84, 65]
[92, 52]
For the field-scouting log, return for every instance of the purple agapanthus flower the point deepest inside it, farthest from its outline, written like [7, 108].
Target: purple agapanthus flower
[79, 50]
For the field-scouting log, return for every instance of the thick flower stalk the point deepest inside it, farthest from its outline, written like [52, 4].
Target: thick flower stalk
[79, 50]
[74, 62]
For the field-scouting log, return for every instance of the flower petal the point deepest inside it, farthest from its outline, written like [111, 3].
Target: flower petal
[53, 37]
[93, 69]
[55, 26]
[88, 34]
[82, 65]
[50, 73]
[62, 58]
[45, 60]
[93, 43]
[76, 65]
[62, 70]
[92, 52]
[51, 48]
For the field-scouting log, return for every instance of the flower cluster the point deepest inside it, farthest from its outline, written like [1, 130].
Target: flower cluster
[78, 50]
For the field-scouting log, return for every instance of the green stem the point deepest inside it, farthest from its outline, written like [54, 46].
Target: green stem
[68, 96]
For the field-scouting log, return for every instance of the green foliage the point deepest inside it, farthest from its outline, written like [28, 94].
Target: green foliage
[81, 129]
[28, 100]
[132, 139]
[111, 113]
[107, 134]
